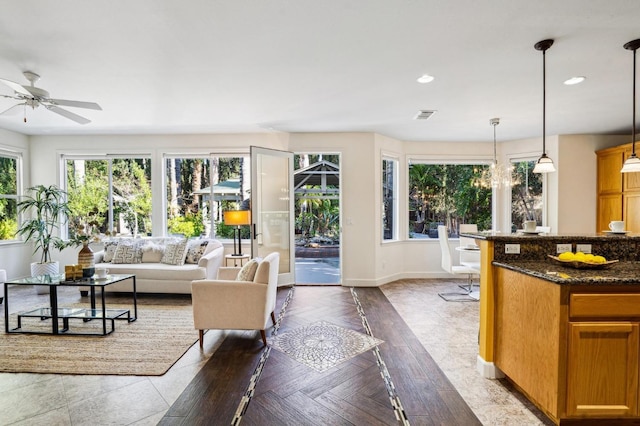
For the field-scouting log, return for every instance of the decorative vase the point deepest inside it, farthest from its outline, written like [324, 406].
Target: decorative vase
[85, 259]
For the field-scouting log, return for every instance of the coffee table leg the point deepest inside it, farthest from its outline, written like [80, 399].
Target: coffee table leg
[135, 301]
[104, 313]
[53, 299]
[6, 307]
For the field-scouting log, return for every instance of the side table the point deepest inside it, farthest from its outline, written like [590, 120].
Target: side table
[231, 260]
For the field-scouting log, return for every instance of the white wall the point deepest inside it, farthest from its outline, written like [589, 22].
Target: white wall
[366, 260]
[577, 180]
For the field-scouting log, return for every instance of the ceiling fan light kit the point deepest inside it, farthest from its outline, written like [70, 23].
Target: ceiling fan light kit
[33, 97]
[632, 164]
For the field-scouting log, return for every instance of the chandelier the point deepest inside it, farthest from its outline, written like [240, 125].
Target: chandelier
[496, 175]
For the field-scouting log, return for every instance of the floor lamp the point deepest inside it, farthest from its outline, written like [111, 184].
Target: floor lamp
[237, 218]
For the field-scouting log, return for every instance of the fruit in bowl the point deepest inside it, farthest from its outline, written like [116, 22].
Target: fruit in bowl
[568, 256]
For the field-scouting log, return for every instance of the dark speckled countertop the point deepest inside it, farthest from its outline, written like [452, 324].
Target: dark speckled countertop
[619, 273]
[533, 258]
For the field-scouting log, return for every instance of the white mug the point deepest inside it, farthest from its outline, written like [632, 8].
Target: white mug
[617, 225]
[101, 272]
[529, 225]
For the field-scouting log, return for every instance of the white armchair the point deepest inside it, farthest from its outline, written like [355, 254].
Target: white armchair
[228, 304]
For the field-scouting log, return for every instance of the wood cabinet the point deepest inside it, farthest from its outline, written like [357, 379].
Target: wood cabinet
[602, 369]
[618, 194]
[573, 350]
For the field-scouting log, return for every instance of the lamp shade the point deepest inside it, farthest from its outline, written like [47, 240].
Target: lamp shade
[237, 217]
[544, 165]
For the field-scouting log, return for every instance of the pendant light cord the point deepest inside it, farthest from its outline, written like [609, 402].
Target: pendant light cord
[633, 126]
[544, 102]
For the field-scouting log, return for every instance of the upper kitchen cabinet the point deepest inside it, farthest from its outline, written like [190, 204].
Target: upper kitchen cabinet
[618, 193]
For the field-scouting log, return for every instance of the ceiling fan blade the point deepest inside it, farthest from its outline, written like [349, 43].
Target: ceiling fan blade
[12, 109]
[68, 114]
[16, 87]
[76, 104]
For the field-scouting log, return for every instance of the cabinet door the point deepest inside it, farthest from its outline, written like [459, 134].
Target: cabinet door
[609, 208]
[609, 176]
[602, 369]
[631, 211]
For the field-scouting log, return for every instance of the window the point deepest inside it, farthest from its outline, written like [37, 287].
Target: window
[110, 195]
[446, 194]
[389, 199]
[200, 188]
[9, 186]
[526, 195]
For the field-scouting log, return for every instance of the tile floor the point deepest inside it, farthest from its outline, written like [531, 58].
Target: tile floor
[448, 330]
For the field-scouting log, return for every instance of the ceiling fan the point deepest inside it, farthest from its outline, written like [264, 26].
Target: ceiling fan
[34, 97]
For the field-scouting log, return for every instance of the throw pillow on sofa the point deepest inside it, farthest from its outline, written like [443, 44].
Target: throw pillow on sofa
[128, 251]
[152, 253]
[109, 250]
[248, 271]
[195, 250]
[175, 253]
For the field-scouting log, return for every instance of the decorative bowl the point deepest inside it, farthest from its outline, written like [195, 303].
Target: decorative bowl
[576, 264]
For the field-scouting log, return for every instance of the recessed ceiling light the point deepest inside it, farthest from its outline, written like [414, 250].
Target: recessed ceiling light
[425, 78]
[574, 80]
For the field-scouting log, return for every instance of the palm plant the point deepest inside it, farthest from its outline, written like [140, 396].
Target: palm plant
[48, 208]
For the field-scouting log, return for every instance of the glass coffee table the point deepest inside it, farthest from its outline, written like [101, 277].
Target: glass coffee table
[56, 313]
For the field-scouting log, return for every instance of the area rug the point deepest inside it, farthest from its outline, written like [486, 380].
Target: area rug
[323, 345]
[146, 347]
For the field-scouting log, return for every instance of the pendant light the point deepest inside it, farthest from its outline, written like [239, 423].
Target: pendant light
[632, 164]
[497, 175]
[544, 163]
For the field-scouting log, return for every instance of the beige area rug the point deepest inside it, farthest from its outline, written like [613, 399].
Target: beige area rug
[146, 347]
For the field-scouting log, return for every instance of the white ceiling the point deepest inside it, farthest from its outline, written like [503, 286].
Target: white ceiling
[205, 66]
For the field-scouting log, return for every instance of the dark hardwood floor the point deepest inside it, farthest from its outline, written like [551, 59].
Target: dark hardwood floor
[352, 392]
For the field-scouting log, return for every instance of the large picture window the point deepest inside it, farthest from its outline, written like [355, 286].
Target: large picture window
[109, 195]
[200, 188]
[447, 194]
[389, 199]
[9, 186]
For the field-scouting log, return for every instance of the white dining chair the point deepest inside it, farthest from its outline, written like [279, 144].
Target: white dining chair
[447, 264]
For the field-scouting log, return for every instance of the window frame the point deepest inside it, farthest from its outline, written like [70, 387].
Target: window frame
[64, 157]
[395, 208]
[18, 156]
[473, 160]
[198, 155]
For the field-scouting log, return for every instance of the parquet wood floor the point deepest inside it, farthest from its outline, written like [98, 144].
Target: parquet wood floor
[353, 392]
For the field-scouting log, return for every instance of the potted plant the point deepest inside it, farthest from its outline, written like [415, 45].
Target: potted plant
[48, 208]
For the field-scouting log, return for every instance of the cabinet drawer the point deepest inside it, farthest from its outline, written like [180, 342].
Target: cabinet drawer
[609, 305]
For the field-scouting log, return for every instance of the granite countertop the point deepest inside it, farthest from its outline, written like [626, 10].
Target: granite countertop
[497, 236]
[619, 273]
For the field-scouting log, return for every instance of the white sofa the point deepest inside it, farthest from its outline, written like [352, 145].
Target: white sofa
[155, 271]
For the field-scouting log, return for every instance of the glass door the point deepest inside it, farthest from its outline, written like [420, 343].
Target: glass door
[272, 208]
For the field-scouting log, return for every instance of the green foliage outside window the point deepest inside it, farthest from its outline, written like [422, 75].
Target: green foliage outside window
[8, 197]
[89, 191]
[446, 194]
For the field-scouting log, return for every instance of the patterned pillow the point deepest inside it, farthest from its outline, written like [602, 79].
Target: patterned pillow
[128, 251]
[109, 250]
[195, 250]
[248, 271]
[175, 253]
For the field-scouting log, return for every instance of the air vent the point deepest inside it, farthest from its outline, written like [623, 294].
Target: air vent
[424, 114]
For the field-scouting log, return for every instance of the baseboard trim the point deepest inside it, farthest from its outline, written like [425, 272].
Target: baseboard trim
[488, 370]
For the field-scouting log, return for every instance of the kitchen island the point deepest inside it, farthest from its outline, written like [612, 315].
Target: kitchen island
[567, 338]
